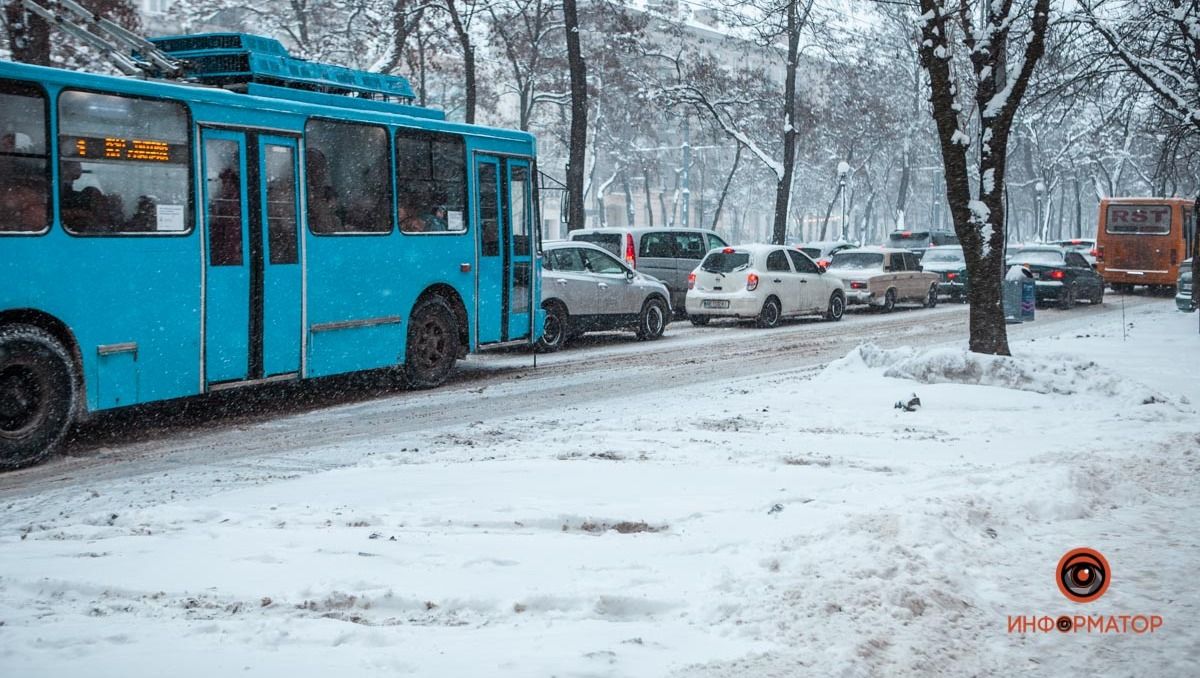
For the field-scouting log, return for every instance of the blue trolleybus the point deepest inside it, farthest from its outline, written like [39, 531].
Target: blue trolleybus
[266, 219]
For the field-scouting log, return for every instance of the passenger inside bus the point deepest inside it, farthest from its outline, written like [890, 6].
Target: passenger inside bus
[23, 203]
[324, 213]
[88, 210]
[422, 212]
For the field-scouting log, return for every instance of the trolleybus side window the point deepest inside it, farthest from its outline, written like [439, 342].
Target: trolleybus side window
[24, 166]
[124, 165]
[224, 201]
[431, 171]
[349, 178]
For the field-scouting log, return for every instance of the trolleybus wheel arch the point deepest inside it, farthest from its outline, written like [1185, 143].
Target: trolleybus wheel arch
[37, 394]
[433, 343]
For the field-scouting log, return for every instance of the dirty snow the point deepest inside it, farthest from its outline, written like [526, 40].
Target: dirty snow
[790, 524]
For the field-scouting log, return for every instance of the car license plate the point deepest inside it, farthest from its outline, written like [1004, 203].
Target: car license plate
[715, 303]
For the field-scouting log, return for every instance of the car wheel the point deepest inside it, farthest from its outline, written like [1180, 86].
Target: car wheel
[554, 332]
[1066, 299]
[432, 344]
[837, 307]
[956, 297]
[699, 320]
[653, 319]
[1098, 298]
[889, 301]
[37, 395]
[769, 316]
[932, 299]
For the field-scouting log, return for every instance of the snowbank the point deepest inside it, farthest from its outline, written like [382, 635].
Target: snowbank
[1058, 374]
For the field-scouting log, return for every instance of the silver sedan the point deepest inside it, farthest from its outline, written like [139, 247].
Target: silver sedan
[584, 289]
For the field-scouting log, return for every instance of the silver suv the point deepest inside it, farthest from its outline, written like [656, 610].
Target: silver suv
[668, 254]
[584, 288]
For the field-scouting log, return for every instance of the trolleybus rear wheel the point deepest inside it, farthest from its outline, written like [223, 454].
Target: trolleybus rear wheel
[432, 344]
[37, 395]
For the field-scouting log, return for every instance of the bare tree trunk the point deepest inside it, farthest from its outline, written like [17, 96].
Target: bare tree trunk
[980, 224]
[737, 158]
[783, 189]
[28, 35]
[576, 215]
[464, 42]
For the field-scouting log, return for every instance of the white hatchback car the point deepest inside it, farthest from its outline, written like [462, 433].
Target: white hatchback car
[764, 283]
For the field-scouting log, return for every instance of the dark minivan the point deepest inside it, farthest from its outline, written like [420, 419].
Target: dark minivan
[668, 254]
[919, 241]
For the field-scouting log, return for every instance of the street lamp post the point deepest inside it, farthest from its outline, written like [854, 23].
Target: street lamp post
[1040, 189]
[843, 170]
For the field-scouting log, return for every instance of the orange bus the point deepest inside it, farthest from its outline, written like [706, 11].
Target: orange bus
[1142, 241]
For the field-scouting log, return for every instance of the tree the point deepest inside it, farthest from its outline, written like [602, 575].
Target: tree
[979, 216]
[29, 36]
[576, 216]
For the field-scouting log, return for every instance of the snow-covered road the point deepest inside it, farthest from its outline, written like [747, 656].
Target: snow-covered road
[723, 503]
[269, 424]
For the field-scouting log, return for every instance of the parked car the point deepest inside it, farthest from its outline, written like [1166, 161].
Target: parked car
[764, 283]
[584, 288]
[1062, 276]
[821, 251]
[1086, 248]
[884, 277]
[948, 263]
[919, 241]
[668, 254]
[1183, 289]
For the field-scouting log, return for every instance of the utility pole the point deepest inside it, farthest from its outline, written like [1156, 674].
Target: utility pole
[685, 188]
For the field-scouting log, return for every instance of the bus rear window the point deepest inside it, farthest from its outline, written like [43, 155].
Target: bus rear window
[609, 241]
[123, 165]
[24, 166]
[1138, 219]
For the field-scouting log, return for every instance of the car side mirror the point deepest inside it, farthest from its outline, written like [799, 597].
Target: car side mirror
[629, 275]
[821, 269]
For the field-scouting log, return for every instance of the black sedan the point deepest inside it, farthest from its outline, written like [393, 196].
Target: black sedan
[947, 261]
[1062, 276]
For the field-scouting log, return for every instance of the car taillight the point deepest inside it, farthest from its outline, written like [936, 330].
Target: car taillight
[858, 285]
[1099, 252]
[1057, 275]
[727, 250]
[951, 275]
[823, 262]
[752, 282]
[630, 256]
[692, 280]
[1094, 253]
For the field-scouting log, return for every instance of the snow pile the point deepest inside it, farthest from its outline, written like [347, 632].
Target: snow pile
[1057, 374]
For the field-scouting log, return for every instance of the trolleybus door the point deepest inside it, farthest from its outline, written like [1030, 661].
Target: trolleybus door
[227, 276]
[520, 241]
[252, 281]
[491, 274]
[278, 159]
[503, 201]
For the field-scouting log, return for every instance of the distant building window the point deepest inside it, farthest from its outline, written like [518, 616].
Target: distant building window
[124, 165]
[349, 179]
[24, 162]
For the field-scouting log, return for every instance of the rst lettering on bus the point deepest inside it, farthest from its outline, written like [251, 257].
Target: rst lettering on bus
[1142, 241]
[164, 239]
